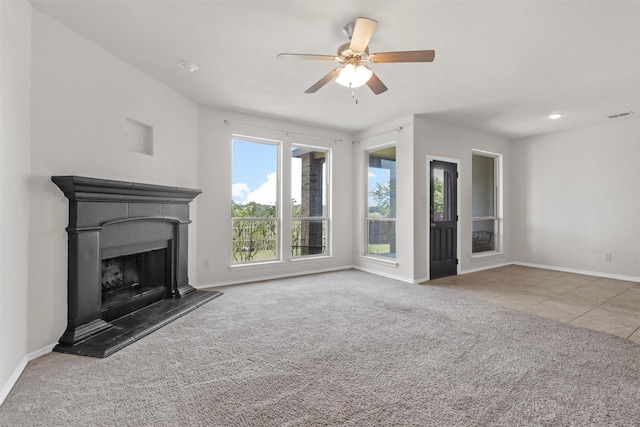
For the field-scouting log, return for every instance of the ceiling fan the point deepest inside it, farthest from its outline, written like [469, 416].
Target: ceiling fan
[352, 73]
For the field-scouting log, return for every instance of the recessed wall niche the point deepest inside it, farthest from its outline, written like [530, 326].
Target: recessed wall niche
[138, 137]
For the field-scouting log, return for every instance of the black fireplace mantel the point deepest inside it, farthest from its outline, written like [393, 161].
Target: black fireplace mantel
[79, 188]
[105, 215]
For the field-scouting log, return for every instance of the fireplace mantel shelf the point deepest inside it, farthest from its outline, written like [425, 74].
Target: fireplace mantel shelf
[79, 188]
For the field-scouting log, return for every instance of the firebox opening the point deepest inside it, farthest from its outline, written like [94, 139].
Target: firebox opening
[133, 281]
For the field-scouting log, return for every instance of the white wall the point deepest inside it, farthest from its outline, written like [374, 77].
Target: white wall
[214, 205]
[576, 196]
[81, 96]
[420, 137]
[388, 133]
[62, 112]
[433, 138]
[15, 122]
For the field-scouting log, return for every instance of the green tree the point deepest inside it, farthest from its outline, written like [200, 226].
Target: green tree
[256, 233]
[382, 196]
[438, 196]
[252, 210]
[296, 214]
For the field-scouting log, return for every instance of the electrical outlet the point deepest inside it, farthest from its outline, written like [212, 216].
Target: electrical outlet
[607, 256]
[205, 263]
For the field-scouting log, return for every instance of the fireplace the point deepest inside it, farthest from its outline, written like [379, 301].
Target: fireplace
[132, 280]
[127, 262]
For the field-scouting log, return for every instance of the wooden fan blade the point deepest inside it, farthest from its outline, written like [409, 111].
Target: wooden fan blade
[362, 32]
[376, 85]
[323, 81]
[404, 56]
[306, 56]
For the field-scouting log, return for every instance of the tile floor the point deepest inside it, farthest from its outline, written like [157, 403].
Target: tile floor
[606, 305]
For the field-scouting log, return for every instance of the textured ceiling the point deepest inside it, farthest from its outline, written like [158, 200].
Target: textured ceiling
[501, 66]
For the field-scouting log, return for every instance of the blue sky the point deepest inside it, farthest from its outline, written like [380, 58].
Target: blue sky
[254, 177]
[254, 172]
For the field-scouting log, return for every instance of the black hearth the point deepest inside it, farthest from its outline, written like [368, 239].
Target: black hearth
[128, 255]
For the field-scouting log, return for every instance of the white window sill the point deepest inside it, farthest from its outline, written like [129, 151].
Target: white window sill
[380, 260]
[484, 255]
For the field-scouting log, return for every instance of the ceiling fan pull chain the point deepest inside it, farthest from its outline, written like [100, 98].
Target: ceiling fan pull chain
[354, 94]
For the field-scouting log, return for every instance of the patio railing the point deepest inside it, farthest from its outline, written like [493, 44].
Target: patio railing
[255, 239]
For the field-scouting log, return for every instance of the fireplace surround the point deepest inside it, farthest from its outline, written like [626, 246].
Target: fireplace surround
[127, 262]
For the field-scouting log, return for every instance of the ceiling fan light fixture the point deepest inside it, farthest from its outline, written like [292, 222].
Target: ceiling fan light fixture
[351, 76]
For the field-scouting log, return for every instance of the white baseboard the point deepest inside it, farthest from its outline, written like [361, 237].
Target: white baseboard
[13, 379]
[475, 270]
[383, 274]
[471, 270]
[576, 271]
[420, 280]
[6, 389]
[274, 277]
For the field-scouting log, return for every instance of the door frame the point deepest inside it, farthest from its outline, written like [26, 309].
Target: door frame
[428, 205]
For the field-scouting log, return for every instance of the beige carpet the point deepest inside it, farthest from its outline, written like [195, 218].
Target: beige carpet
[344, 348]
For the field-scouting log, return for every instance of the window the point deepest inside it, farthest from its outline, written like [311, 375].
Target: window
[381, 202]
[486, 202]
[258, 210]
[309, 210]
[254, 206]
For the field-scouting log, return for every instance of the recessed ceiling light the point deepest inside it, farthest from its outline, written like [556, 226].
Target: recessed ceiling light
[555, 116]
[188, 66]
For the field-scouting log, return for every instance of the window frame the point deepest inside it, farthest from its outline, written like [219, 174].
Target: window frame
[497, 218]
[368, 219]
[284, 218]
[327, 198]
[279, 211]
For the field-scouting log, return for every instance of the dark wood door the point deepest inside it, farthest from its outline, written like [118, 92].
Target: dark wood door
[443, 219]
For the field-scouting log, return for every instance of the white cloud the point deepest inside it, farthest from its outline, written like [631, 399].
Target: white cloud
[239, 191]
[372, 175]
[267, 193]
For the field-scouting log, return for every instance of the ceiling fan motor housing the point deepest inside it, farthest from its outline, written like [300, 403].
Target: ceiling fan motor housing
[344, 51]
